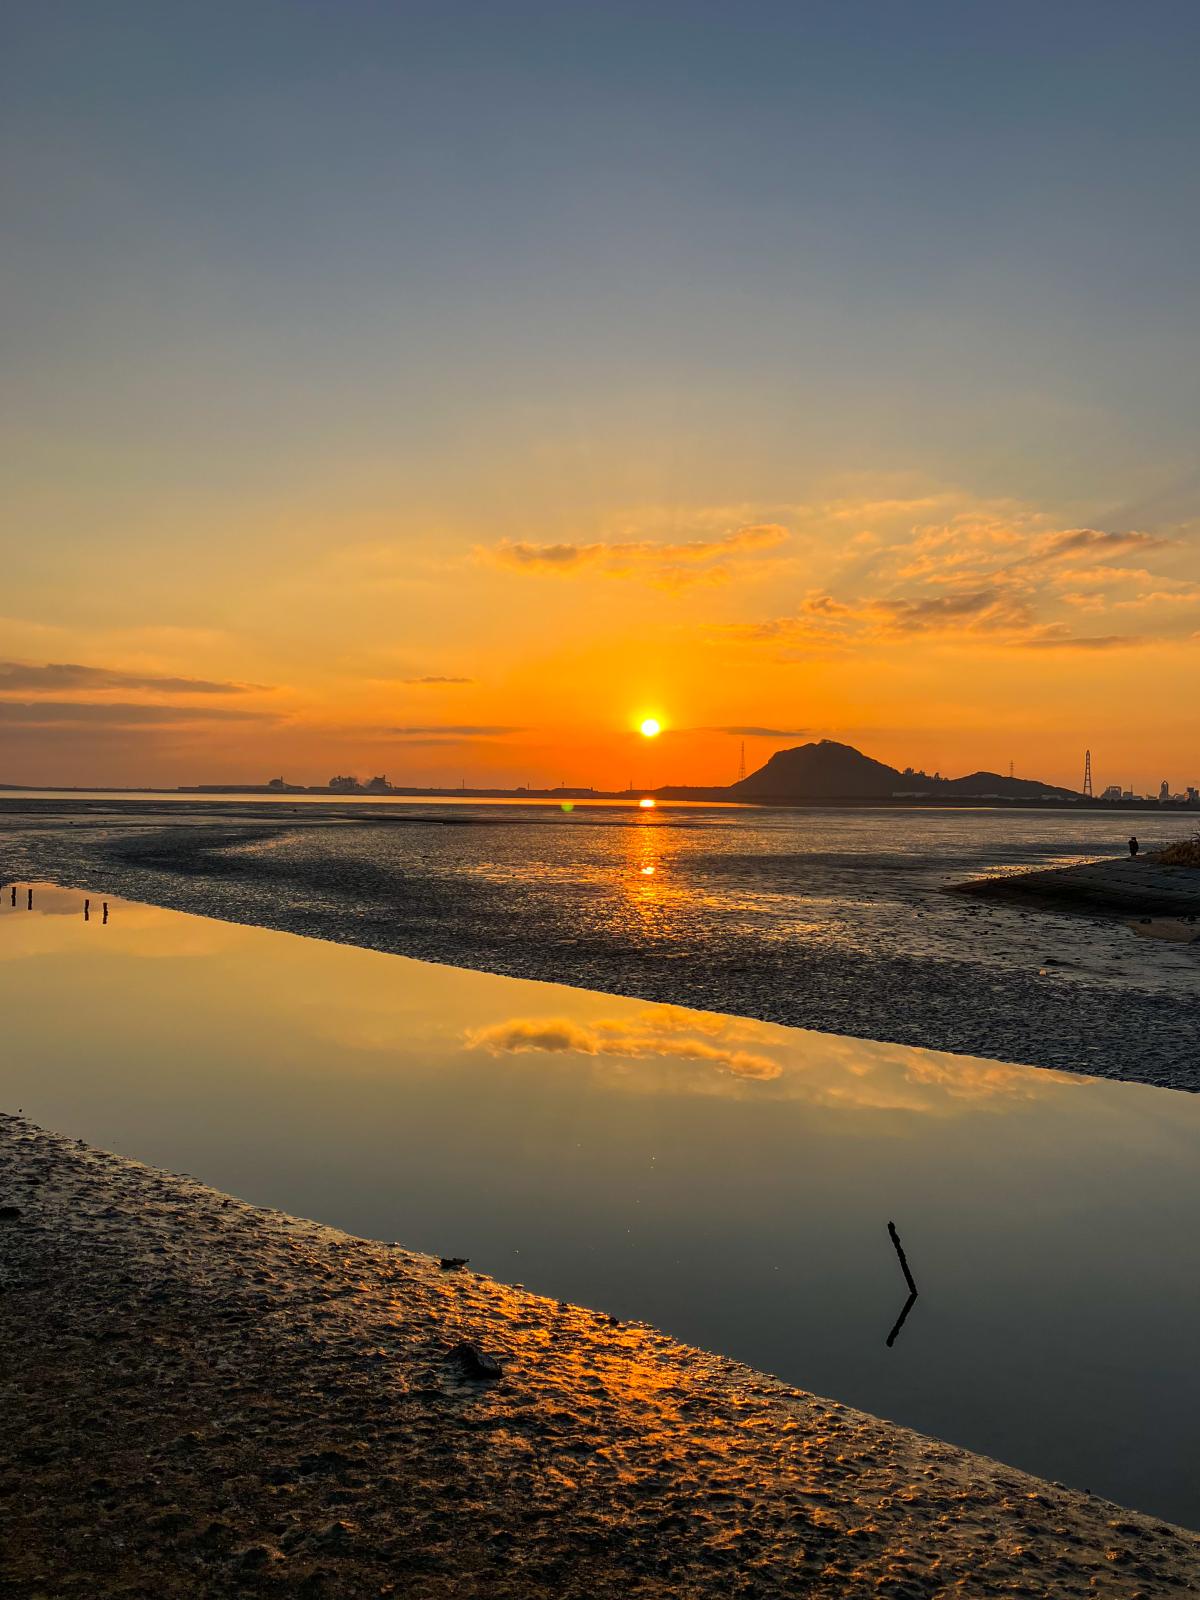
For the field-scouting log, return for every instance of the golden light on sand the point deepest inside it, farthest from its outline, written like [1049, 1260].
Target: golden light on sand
[651, 728]
[647, 804]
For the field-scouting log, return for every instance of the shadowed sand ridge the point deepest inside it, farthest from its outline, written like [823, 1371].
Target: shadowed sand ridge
[200, 1397]
[1145, 885]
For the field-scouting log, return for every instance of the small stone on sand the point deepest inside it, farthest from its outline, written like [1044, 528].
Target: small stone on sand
[474, 1363]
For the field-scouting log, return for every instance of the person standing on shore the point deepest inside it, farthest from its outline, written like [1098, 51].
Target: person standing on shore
[1134, 847]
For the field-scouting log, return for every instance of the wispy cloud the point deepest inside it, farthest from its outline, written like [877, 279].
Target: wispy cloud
[1105, 641]
[1103, 577]
[1158, 597]
[461, 730]
[988, 608]
[678, 562]
[760, 733]
[1095, 542]
[436, 679]
[819, 618]
[993, 570]
[55, 676]
[48, 713]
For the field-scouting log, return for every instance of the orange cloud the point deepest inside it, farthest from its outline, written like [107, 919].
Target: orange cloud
[1102, 577]
[1071, 541]
[1104, 641]
[690, 560]
[1159, 597]
[994, 571]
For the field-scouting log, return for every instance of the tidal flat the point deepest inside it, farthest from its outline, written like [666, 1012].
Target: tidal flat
[205, 1397]
[836, 920]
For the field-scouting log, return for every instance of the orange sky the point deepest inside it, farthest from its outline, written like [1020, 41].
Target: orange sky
[925, 627]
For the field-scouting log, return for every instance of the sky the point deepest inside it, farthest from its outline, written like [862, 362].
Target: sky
[440, 389]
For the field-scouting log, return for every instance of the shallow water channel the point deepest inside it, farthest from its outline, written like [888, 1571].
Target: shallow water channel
[730, 1181]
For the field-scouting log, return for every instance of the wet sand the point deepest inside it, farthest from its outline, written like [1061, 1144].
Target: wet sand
[200, 1397]
[1141, 886]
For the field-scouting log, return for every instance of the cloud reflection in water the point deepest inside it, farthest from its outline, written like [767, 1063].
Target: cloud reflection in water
[821, 1069]
[652, 1035]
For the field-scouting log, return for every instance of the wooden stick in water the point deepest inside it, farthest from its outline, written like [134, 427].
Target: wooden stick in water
[908, 1277]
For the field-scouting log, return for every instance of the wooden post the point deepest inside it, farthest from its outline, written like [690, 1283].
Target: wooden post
[908, 1277]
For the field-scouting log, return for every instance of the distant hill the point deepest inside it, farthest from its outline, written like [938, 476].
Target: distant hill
[824, 771]
[981, 784]
[830, 771]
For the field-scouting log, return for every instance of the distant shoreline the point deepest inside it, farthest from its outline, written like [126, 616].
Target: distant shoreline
[632, 797]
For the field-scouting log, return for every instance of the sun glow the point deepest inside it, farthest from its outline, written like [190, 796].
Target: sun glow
[647, 804]
[651, 728]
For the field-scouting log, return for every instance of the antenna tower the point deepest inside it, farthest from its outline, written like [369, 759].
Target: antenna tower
[1087, 773]
[742, 762]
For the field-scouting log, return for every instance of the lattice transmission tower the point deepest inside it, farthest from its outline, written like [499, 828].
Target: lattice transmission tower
[742, 763]
[1087, 773]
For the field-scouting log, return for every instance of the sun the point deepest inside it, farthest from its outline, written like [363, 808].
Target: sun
[651, 728]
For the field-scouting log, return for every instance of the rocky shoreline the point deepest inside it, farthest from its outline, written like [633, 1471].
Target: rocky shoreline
[202, 1397]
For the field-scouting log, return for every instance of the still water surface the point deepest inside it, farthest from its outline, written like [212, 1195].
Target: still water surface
[725, 1179]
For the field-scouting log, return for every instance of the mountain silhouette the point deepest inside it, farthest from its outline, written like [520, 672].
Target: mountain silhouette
[827, 770]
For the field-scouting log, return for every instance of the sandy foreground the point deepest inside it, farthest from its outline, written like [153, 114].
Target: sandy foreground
[203, 1398]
